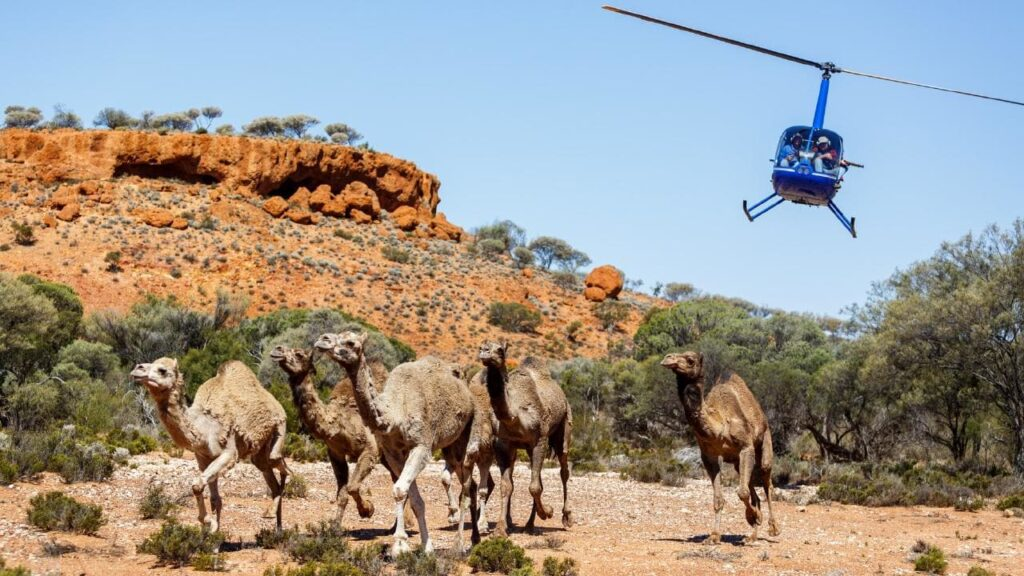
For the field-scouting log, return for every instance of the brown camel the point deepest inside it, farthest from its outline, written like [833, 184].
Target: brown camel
[533, 415]
[231, 418]
[424, 406]
[729, 425]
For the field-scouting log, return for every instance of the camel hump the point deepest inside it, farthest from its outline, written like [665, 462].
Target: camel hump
[237, 371]
[533, 363]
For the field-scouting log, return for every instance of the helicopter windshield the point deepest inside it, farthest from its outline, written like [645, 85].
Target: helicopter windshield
[800, 145]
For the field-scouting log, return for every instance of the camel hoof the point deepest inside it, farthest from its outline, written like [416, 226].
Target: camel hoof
[453, 516]
[750, 540]
[367, 511]
[545, 512]
[713, 538]
[399, 547]
[567, 519]
[773, 529]
[400, 494]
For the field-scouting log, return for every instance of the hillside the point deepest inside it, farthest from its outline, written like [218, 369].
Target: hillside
[120, 214]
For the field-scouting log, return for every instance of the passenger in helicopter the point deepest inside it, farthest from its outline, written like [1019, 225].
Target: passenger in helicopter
[789, 156]
[826, 158]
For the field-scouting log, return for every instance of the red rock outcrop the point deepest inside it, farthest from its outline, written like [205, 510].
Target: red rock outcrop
[344, 180]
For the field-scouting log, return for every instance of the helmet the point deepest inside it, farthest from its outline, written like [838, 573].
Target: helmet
[796, 136]
[824, 140]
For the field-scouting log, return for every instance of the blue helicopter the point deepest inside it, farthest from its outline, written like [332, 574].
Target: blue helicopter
[808, 167]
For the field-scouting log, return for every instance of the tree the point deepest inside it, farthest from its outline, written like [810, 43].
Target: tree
[574, 261]
[64, 118]
[225, 130]
[507, 232]
[146, 120]
[342, 133]
[114, 118]
[210, 113]
[298, 125]
[193, 116]
[550, 250]
[676, 291]
[176, 121]
[26, 318]
[522, 256]
[265, 126]
[22, 117]
[513, 317]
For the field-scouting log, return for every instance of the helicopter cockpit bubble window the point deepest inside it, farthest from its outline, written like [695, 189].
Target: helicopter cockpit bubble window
[835, 141]
[788, 155]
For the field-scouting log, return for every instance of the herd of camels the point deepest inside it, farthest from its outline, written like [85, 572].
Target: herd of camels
[429, 405]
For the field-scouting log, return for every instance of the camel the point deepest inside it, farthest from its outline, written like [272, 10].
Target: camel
[532, 414]
[424, 406]
[729, 425]
[479, 453]
[339, 426]
[231, 418]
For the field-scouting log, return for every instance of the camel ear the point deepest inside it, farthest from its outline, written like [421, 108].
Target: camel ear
[700, 358]
[363, 337]
[174, 364]
[504, 347]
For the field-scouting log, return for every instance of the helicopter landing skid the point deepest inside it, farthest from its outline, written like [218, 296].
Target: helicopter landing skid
[757, 214]
[849, 223]
[754, 212]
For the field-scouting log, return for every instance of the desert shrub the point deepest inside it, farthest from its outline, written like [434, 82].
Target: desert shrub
[853, 488]
[498, 554]
[676, 291]
[114, 118]
[610, 312]
[567, 281]
[58, 451]
[16, 571]
[513, 317]
[340, 133]
[316, 569]
[58, 511]
[63, 118]
[204, 562]
[322, 542]
[932, 561]
[903, 484]
[296, 487]
[522, 256]
[489, 247]
[297, 125]
[132, 440]
[979, 571]
[508, 233]
[395, 254]
[225, 130]
[176, 544]
[555, 567]
[24, 234]
[1012, 501]
[419, 563]
[22, 117]
[113, 260]
[302, 448]
[657, 466]
[156, 503]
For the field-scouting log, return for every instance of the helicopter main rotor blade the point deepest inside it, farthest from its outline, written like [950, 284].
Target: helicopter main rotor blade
[755, 48]
[929, 86]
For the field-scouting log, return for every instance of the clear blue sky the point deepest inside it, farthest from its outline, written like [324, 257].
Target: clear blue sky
[635, 143]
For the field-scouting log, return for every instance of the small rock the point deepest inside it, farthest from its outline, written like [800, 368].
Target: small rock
[70, 212]
[179, 224]
[360, 217]
[156, 217]
[275, 206]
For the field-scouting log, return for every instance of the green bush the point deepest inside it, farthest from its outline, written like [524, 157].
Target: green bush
[418, 563]
[656, 466]
[57, 451]
[24, 234]
[396, 254]
[610, 313]
[132, 440]
[498, 554]
[176, 544]
[555, 567]
[1012, 501]
[16, 571]
[322, 542]
[513, 317]
[932, 561]
[979, 571]
[203, 562]
[156, 503]
[296, 487]
[302, 448]
[316, 569]
[269, 538]
[57, 511]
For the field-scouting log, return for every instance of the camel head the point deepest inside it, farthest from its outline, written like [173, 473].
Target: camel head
[161, 376]
[345, 348]
[493, 353]
[294, 361]
[687, 364]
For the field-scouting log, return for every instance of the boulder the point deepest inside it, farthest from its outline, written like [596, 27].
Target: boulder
[179, 224]
[359, 196]
[607, 279]
[335, 207]
[299, 215]
[320, 197]
[64, 195]
[300, 199]
[360, 217]
[49, 221]
[405, 218]
[275, 206]
[70, 212]
[156, 217]
[441, 228]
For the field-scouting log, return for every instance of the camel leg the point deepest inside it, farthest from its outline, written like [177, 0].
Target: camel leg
[453, 501]
[401, 536]
[563, 462]
[276, 491]
[357, 488]
[713, 468]
[220, 464]
[766, 480]
[414, 464]
[203, 463]
[746, 469]
[215, 504]
[469, 492]
[420, 509]
[537, 455]
[340, 468]
[409, 517]
[485, 490]
[507, 463]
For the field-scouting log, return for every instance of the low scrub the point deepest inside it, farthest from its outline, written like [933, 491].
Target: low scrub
[16, 571]
[177, 544]
[498, 555]
[132, 440]
[58, 511]
[979, 571]
[1011, 501]
[322, 542]
[270, 538]
[296, 487]
[513, 317]
[555, 567]
[156, 503]
[932, 560]
[316, 569]
[657, 466]
[302, 448]
[419, 563]
[904, 484]
[56, 451]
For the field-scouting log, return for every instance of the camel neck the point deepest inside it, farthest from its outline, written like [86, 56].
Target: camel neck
[312, 411]
[496, 378]
[174, 414]
[366, 396]
[691, 394]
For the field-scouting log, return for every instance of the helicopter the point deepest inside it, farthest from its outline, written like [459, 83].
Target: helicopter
[808, 166]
